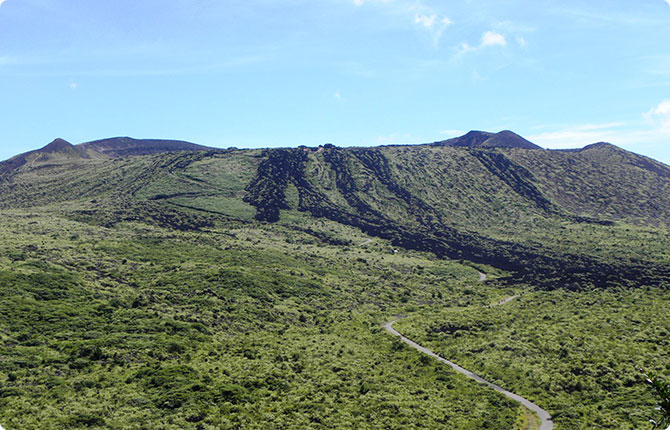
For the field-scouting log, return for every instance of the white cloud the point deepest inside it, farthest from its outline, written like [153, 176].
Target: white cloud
[492, 38]
[1, 2]
[73, 85]
[429, 21]
[648, 134]
[434, 24]
[659, 116]
[578, 136]
[522, 42]
[667, 1]
[426, 17]
[337, 95]
[426, 20]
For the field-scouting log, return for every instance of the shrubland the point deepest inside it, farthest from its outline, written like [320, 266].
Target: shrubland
[247, 289]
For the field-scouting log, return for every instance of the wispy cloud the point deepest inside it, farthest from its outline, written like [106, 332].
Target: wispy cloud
[337, 95]
[492, 38]
[1, 2]
[430, 21]
[659, 115]
[577, 136]
[434, 24]
[78, 67]
[425, 17]
[668, 2]
[427, 21]
[648, 133]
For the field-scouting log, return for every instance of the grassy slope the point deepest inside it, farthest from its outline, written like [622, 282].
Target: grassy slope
[140, 292]
[139, 326]
[478, 205]
[578, 355]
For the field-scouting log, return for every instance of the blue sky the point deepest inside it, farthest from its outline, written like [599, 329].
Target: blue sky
[260, 73]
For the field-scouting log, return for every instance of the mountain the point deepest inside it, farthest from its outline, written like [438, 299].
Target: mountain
[126, 146]
[465, 198]
[58, 145]
[478, 139]
[58, 149]
[156, 284]
[112, 147]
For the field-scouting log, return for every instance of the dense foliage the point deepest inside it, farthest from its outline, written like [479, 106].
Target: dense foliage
[575, 353]
[246, 289]
[661, 389]
[138, 326]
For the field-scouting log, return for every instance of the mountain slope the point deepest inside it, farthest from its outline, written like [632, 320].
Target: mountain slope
[371, 189]
[126, 146]
[247, 288]
[479, 139]
[536, 213]
[58, 150]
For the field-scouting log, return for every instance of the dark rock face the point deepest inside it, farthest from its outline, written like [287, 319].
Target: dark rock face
[428, 230]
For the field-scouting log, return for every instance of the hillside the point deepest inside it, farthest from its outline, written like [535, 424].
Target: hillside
[57, 151]
[126, 146]
[154, 284]
[500, 206]
[61, 151]
[483, 139]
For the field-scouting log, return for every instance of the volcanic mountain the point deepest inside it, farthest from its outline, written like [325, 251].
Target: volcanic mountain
[60, 151]
[127, 146]
[478, 197]
[162, 284]
[483, 139]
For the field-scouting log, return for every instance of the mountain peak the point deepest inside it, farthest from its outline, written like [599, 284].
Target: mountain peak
[599, 145]
[477, 139]
[58, 145]
[471, 139]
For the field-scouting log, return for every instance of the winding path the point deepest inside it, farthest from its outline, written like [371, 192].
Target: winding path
[545, 418]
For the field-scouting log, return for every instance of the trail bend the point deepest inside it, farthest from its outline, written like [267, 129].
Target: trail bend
[545, 418]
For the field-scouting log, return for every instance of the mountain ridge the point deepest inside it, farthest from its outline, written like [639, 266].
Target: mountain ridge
[484, 139]
[128, 146]
[222, 284]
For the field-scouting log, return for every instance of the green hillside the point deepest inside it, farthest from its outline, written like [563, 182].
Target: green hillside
[163, 287]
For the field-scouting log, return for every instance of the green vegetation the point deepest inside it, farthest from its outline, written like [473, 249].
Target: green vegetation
[238, 327]
[247, 289]
[574, 353]
[662, 391]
